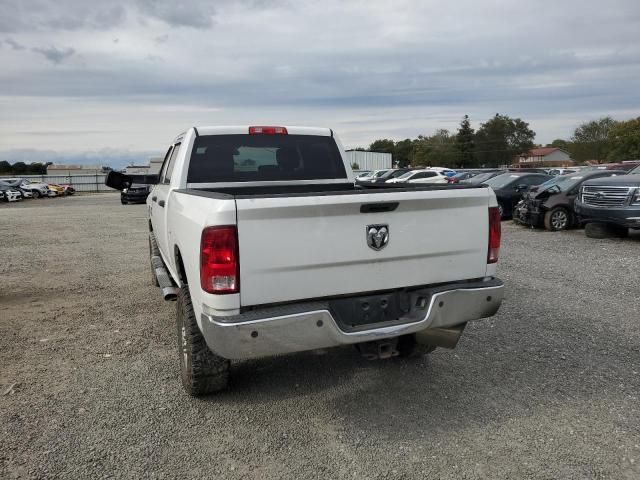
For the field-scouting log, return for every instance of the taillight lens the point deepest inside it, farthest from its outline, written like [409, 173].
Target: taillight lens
[267, 131]
[494, 235]
[219, 262]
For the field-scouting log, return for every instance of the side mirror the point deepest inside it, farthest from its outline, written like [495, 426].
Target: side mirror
[120, 181]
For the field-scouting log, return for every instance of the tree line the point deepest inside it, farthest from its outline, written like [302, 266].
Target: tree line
[501, 139]
[21, 168]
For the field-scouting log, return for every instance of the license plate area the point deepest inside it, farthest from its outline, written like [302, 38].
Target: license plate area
[355, 312]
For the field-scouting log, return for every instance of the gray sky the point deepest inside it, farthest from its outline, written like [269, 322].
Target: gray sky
[117, 80]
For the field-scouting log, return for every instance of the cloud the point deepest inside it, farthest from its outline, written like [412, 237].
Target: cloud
[13, 44]
[55, 55]
[161, 38]
[197, 14]
[71, 15]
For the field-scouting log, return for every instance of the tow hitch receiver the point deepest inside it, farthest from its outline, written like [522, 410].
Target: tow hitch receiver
[379, 349]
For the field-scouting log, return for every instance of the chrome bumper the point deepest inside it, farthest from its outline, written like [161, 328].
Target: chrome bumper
[310, 326]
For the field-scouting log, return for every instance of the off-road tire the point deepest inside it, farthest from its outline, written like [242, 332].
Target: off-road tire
[553, 216]
[201, 371]
[408, 347]
[605, 230]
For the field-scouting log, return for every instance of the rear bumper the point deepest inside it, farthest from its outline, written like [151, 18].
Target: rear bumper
[628, 216]
[310, 326]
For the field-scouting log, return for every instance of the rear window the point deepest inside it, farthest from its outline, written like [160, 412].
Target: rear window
[255, 158]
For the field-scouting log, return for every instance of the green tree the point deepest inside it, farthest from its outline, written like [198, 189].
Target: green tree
[402, 152]
[19, 168]
[590, 141]
[560, 143]
[383, 145]
[355, 166]
[5, 167]
[624, 140]
[501, 138]
[465, 144]
[437, 150]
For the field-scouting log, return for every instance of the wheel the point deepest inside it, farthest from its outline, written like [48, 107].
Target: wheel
[123, 201]
[501, 210]
[408, 347]
[605, 230]
[557, 219]
[154, 278]
[201, 370]
[36, 193]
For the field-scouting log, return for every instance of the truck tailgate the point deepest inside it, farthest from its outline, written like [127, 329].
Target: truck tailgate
[303, 247]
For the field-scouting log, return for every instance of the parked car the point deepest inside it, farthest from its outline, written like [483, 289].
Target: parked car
[23, 192]
[610, 206]
[481, 177]
[68, 189]
[57, 190]
[550, 205]
[461, 176]
[310, 276]
[136, 193]
[37, 189]
[509, 188]
[388, 175]
[447, 172]
[419, 176]
[9, 193]
[561, 171]
[364, 173]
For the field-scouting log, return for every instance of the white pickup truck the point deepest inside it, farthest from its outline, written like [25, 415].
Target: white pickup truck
[270, 248]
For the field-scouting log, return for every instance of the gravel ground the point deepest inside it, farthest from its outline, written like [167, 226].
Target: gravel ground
[546, 389]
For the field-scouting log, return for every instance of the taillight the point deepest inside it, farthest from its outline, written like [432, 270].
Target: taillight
[219, 262]
[267, 131]
[494, 235]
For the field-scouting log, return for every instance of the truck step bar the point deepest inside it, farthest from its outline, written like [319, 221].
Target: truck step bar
[169, 290]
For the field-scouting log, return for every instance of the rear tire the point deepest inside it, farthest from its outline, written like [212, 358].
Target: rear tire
[557, 219]
[201, 370]
[408, 347]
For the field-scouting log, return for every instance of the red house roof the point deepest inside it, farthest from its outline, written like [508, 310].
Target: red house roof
[541, 152]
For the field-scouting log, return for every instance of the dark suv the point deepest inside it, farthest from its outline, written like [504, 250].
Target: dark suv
[136, 193]
[550, 205]
[610, 206]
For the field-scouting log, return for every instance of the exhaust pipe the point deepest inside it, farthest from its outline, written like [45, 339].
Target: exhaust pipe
[441, 337]
[170, 294]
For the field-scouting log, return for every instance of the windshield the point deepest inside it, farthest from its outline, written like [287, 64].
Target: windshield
[562, 183]
[635, 171]
[379, 173]
[502, 180]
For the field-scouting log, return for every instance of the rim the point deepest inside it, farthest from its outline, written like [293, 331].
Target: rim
[559, 219]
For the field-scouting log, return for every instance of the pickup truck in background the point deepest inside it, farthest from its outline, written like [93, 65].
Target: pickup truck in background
[269, 247]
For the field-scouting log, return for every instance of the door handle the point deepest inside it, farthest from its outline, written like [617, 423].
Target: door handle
[154, 198]
[161, 203]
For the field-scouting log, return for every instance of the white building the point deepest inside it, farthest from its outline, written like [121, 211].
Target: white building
[369, 160]
[74, 170]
